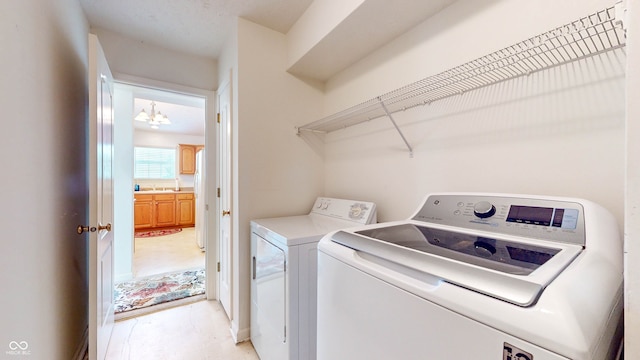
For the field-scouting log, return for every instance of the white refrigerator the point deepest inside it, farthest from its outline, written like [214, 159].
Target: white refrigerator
[199, 193]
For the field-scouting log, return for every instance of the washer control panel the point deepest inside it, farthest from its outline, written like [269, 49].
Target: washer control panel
[361, 212]
[549, 219]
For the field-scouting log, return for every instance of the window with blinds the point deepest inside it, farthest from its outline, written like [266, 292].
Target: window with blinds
[154, 163]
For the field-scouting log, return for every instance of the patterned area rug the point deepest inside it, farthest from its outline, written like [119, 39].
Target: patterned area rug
[152, 233]
[158, 289]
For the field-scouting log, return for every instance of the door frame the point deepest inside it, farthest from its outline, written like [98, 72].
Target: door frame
[211, 165]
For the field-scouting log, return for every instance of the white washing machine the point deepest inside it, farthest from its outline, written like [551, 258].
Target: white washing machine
[475, 276]
[284, 275]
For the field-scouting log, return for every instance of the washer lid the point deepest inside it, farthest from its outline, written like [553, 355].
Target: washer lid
[502, 255]
[514, 271]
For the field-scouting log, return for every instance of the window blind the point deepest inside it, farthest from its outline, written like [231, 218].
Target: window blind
[154, 163]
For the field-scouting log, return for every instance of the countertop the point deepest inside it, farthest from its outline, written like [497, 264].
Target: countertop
[152, 192]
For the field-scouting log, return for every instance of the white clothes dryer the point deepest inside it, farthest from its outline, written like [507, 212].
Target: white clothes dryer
[475, 276]
[284, 275]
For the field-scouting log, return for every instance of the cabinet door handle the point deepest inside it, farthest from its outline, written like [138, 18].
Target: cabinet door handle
[226, 212]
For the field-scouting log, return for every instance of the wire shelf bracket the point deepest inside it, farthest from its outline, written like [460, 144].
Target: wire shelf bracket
[594, 34]
[396, 126]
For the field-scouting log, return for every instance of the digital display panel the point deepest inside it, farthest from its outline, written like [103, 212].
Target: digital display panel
[530, 215]
[543, 216]
[531, 256]
[557, 217]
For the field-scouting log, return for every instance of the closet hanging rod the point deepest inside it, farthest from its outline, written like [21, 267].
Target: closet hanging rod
[589, 36]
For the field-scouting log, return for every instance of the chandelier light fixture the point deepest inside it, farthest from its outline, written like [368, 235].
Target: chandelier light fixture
[153, 119]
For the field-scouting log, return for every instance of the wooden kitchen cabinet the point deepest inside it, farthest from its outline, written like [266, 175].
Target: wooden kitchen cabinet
[185, 210]
[143, 211]
[163, 210]
[187, 157]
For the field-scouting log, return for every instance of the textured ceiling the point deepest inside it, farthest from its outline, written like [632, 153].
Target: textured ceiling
[197, 27]
[190, 26]
[201, 27]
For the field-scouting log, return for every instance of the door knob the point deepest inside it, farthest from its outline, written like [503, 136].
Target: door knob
[80, 229]
[226, 212]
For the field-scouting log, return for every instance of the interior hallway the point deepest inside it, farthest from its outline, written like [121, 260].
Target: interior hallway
[198, 330]
[190, 332]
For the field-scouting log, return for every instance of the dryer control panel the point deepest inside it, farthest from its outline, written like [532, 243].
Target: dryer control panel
[361, 212]
[548, 219]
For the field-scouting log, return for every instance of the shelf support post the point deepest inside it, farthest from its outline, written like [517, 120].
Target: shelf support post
[386, 111]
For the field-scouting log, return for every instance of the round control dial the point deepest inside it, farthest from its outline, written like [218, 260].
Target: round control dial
[484, 209]
[484, 249]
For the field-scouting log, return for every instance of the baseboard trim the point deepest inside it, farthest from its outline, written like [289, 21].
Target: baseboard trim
[82, 352]
[241, 335]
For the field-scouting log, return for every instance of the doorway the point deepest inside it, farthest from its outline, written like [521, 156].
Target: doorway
[168, 242]
[167, 167]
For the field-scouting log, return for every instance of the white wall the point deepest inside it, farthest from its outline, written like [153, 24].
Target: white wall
[632, 196]
[275, 172]
[462, 32]
[130, 57]
[123, 182]
[43, 97]
[548, 133]
[278, 173]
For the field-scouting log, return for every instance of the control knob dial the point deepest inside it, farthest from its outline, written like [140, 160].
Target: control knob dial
[484, 209]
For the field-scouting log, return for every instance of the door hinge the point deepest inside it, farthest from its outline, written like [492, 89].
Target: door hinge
[218, 118]
[218, 192]
[218, 266]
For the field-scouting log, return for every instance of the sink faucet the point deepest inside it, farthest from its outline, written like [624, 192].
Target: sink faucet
[154, 187]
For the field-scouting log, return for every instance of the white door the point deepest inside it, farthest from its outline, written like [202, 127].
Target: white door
[100, 142]
[224, 151]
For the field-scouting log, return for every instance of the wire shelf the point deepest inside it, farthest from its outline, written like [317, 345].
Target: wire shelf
[588, 36]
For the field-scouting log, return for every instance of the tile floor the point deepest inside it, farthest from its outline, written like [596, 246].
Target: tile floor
[162, 254]
[190, 332]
